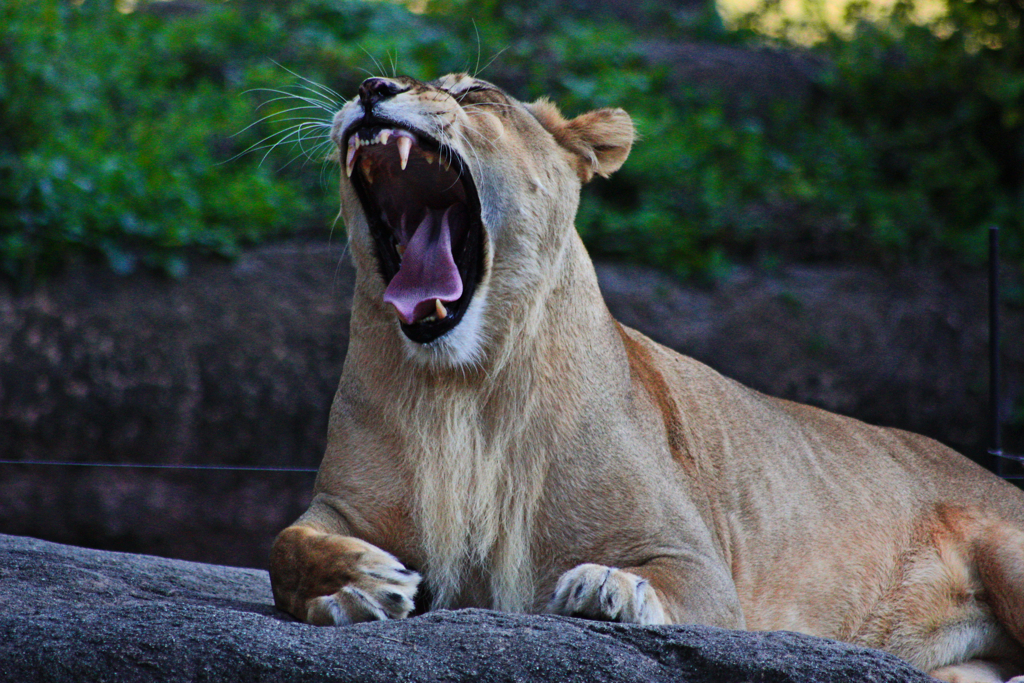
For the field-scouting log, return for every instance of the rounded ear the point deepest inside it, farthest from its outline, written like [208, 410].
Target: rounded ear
[601, 139]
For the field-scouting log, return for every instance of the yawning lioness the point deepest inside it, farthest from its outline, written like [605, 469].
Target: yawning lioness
[498, 431]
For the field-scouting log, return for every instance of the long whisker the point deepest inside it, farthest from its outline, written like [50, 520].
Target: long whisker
[294, 134]
[311, 154]
[330, 237]
[369, 74]
[491, 61]
[476, 67]
[320, 104]
[446, 141]
[380, 67]
[341, 259]
[394, 64]
[279, 113]
[327, 91]
[317, 101]
[262, 144]
[325, 165]
[316, 97]
[321, 98]
[304, 124]
[284, 99]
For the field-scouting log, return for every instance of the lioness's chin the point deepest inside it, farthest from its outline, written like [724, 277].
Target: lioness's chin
[462, 345]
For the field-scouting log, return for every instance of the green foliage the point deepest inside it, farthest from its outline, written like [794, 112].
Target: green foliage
[915, 142]
[112, 128]
[116, 130]
[943, 140]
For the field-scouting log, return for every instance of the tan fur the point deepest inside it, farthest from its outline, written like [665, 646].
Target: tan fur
[540, 456]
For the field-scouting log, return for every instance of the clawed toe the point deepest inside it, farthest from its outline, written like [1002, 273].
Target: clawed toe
[594, 591]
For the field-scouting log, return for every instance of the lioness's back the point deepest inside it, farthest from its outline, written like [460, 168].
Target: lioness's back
[760, 437]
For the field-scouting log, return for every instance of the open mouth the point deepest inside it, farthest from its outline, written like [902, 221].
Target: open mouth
[424, 216]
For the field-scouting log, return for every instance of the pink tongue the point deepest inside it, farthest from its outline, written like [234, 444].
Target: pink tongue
[428, 272]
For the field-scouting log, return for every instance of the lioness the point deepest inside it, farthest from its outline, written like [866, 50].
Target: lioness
[497, 430]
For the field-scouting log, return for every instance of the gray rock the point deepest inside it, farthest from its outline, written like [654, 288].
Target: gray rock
[71, 614]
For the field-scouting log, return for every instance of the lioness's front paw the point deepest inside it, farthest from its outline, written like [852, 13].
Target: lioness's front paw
[333, 580]
[594, 591]
[380, 588]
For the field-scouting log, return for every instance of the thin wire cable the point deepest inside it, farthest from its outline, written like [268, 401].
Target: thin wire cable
[223, 468]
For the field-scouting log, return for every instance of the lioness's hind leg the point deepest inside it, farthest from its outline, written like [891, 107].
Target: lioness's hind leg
[999, 555]
[958, 611]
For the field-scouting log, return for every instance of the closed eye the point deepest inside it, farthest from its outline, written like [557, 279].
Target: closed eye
[471, 89]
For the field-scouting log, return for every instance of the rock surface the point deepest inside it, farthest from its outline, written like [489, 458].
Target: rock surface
[71, 614]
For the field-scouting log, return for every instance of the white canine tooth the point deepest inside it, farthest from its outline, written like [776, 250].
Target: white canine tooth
[439, 308]
[447, 163]
[404, 145]
[350, 160]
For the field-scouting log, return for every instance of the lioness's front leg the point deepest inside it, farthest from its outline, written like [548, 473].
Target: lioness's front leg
[333, 580]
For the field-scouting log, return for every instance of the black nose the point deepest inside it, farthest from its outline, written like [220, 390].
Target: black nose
[373, 90]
